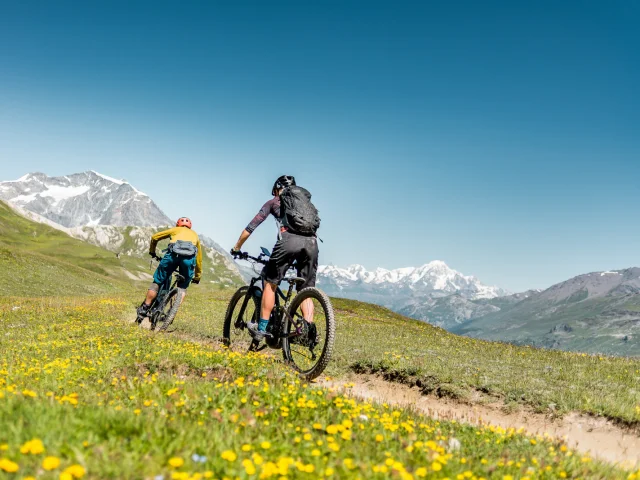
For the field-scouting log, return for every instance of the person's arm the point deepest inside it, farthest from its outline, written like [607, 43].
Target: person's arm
[255, 223]
[243, 238]
[157, 237]
[198, 274]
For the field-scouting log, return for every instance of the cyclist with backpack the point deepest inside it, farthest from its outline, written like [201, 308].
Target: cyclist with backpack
[184, 254]
[297, 220]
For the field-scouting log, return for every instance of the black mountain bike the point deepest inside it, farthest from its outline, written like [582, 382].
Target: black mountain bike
[165, 307]
[303, 326]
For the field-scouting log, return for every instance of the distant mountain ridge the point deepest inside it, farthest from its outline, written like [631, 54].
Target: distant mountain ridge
[433, 276]
[594, 312]
[83, 199]
[433, 292]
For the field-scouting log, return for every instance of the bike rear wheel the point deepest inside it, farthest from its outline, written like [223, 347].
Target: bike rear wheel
[168, 310]
[308, 355]
[234, 332]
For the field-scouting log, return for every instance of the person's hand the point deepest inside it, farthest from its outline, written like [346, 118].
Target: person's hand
[154, 256]
[235, 251]
[195, 281]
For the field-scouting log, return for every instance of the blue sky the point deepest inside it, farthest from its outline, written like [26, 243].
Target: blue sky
[500, 137]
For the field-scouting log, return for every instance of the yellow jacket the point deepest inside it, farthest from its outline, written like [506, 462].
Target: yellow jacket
[180, 233]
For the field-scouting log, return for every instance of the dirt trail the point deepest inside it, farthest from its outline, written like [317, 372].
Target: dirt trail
[596, 436]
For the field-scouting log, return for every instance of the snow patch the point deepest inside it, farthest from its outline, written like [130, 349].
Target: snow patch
[58, 193]
[111, 179]
[25, 198]
[609, 273]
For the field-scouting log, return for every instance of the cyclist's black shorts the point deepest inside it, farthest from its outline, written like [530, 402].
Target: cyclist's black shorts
[304, 250]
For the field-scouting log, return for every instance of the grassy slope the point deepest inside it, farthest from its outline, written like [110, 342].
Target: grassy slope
[136, 242]
[375, 340]
[40, 260]
[97, 395]
[81, 345]
[597, 325]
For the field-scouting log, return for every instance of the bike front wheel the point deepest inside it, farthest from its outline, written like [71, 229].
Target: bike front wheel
[244, 307]
[310, 331]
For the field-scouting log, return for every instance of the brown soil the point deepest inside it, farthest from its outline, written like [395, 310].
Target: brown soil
[596, 436]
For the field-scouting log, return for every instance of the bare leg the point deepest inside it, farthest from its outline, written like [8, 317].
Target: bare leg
[182, 292]
[152, 293]
[268, 300]
[308, 310]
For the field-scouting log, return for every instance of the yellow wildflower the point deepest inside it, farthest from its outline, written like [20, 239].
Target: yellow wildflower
[33, 447]
[249, 467]
[76, 471]
[8, 466]
[229, 455]
[50, 463]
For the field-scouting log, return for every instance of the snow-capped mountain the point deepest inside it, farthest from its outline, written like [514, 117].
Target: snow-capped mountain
[433, 292]
[106, 212]
[433, 278]
[83, 199]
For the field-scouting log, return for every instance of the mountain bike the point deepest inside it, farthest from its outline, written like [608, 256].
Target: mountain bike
[302, 326]
[165, 306]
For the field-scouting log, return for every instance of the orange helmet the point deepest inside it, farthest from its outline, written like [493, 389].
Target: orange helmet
[183, 222]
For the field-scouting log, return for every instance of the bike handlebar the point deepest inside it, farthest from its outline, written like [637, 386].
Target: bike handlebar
[246, 256]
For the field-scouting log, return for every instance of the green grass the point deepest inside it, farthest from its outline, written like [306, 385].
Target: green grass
[101, 396]
[372, 339]
[129, 421]
[39, 260]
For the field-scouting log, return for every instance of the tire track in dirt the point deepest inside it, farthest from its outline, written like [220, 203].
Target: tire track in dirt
[598, 437]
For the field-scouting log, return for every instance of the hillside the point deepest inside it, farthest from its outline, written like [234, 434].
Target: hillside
[595, 312]
[370, 339]
[127, 386]
[87, 394]
[41, 260]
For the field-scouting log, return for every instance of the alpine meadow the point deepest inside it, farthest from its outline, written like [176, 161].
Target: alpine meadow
[299, 240]
[141, 404]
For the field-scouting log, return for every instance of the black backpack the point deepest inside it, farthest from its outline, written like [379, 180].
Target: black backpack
[298, 213]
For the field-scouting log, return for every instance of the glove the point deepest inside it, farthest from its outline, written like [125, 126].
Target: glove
[235, 251]
[195, 281]
[154, 255]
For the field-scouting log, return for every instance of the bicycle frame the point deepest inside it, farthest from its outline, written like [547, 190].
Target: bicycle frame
[277, 315]
[164, 290]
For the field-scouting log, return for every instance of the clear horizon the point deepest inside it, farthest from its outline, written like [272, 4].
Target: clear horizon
[500, 139]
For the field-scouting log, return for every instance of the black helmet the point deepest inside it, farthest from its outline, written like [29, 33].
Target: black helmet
[282, 182]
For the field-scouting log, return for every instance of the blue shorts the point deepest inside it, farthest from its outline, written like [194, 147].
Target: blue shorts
[186, 266]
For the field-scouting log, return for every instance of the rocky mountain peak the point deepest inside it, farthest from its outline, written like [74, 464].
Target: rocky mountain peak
[83, 199]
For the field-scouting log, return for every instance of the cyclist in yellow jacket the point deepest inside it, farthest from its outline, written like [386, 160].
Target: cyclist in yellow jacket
[183, 254]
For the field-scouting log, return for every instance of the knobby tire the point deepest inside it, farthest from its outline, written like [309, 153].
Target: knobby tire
[170, 307]
[230, 318]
